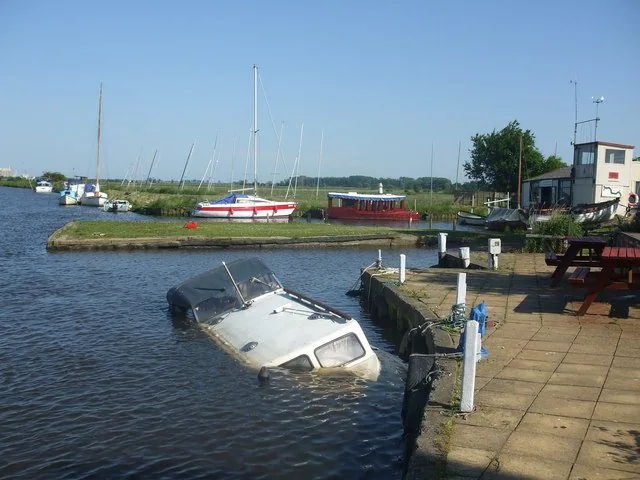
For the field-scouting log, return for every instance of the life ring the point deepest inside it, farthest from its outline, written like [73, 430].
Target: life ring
[633, 199]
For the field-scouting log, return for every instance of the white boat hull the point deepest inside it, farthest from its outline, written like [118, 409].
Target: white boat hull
[94, 199]
[120, 206]
[471, 219]
[245, 208]
[247, 312]
[67, 200]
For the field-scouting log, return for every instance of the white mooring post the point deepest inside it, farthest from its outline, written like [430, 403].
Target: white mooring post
[469, 359]
[465, 256]
[379, 261]
[461, 289]
[402, 268]
[442, 245]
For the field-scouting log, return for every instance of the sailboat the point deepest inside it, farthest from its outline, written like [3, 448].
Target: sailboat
[238, 205]
[92, 196]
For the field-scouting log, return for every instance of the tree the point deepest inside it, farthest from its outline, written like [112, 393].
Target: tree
[495, 156]
[553, 162]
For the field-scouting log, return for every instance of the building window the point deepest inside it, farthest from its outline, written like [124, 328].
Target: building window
[614, 156]
[585, 157]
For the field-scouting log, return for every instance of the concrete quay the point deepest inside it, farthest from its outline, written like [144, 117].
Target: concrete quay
[557, 398]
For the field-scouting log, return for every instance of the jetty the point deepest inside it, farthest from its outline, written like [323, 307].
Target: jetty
[558, 395]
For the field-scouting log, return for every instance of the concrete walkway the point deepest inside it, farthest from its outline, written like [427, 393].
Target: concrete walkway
[559, 395]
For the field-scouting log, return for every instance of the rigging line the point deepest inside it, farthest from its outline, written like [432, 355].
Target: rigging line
[273, 125]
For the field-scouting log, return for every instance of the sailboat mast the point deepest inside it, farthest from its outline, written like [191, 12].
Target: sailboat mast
[255, 128]
[99, 139]
[152, 162]
[319, 163]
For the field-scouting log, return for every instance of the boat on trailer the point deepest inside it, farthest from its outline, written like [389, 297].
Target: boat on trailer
[368, 206]
[502, 218]
[469, 218]
[245, 309]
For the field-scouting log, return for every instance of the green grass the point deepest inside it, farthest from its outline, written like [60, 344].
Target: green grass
[115, 229]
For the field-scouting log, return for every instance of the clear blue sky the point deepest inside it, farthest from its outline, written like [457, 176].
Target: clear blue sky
[385, 80]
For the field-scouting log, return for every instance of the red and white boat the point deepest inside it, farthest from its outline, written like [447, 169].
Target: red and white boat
[243, 206]
[369, 206]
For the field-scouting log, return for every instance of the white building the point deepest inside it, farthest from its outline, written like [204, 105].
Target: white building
[601, 171]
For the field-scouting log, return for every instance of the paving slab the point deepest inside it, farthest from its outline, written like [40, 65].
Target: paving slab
[559, 395]
[554, 425]
[550, 447]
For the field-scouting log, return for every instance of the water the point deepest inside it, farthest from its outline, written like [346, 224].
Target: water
[98, 381]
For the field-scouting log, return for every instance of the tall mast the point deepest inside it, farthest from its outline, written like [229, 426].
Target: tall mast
[99, 139]
[520, 172]
[319, 163]
[255, 128]
[575, 102]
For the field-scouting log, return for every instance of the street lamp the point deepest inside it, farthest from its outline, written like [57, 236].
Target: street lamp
[597, 101]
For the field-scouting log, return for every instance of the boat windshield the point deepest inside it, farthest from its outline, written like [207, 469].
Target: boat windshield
[211, 294]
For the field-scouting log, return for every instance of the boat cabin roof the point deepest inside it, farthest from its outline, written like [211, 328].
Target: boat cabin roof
[213, 292]
[375, 197]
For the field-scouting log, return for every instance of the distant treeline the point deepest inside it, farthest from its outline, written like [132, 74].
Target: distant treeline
[402, 184]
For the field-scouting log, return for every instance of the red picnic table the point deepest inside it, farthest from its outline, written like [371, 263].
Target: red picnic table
[618, 264]
[581, 252]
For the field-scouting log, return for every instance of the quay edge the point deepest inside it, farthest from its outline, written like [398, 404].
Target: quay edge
[427, 414]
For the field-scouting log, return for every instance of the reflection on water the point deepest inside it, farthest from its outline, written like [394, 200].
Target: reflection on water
[99, 381]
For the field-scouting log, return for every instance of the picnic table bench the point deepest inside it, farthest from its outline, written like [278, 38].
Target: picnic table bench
[582, 252]
[618, 265]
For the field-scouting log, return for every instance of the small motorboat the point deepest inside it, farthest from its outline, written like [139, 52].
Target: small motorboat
[116, 206]
[43, 186]
[245, 309]
[468, 218]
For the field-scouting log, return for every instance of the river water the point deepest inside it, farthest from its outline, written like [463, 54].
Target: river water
[98, 381]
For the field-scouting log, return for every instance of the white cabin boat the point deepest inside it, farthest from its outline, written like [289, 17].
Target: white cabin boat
[72, 192]
[245, 309]
[116, 206]
[242, 206]
[92, 196]
[43, 186]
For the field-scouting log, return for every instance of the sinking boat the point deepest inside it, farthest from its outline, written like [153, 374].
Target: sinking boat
[245, 309]
[595, 212]
[468, 218]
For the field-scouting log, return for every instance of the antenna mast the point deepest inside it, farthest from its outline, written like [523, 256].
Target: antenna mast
[575, 102]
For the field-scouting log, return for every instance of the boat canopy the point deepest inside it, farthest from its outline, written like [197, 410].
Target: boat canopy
[212, 293]
[375, 197]
[231, 198]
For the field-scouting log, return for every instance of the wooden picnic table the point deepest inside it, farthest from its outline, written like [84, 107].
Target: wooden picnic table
[625, 260]
[581, 252]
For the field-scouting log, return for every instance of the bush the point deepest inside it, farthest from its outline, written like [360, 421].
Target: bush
[559, 225]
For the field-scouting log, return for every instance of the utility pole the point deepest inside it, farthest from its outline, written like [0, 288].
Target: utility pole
[520, 172]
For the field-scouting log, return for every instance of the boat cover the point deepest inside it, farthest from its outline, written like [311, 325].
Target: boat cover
[376, 197]
[212, 293]
[507, 216]
[231, 198]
